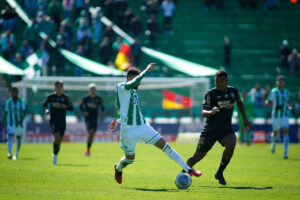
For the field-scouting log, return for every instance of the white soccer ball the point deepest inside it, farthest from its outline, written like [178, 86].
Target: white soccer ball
[183, 180]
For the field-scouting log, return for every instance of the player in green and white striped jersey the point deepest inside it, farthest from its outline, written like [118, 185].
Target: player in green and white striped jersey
[14, 114]
[133, 125]
[278, 100]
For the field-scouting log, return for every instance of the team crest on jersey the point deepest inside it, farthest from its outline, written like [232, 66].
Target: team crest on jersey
[232, 94]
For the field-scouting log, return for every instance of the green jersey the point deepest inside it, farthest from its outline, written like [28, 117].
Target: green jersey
[279, 100]
[14, 113]
[127, 102]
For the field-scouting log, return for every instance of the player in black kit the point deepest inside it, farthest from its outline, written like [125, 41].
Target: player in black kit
[89, 106]
[218, 107]
[59, 104]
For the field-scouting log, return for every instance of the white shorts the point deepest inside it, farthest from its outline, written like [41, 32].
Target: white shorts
[18, 131]
[130, 135]
[279, 123]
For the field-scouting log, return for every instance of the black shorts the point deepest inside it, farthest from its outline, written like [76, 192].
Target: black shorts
[208, 139]
[91, 124]
[58, 128]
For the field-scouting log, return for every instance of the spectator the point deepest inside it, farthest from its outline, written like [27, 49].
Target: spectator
[65, 36]
[227, 52]
[8, 45]
[68, 6]
[44, 60]
[108, 32]
[128, 15]
[109, 8]
[257, 95]
[294, 61]
[105, 50]
[78, 70]
[46, 24]
[17, 61]
[136, 51]
[249, 3]
[168, 8]
[60, 59]
[86, 43]
[42, 6]
[68, 29]
[97, 26]
[152, 7]
[267, 92]
[152, 30]
[120, 7]
[55, 12]
[83, 29]
[271, 4]
[78, 7]
[31, 7]
[9, 18]
[25, 50]
[136, 26]
[297, 105]
[31, 34]
[284, 53]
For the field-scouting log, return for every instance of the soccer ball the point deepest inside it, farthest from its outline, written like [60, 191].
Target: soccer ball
[183, 180]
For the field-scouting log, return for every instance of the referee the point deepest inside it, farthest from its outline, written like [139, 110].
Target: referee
[59, 104]
[89, 106]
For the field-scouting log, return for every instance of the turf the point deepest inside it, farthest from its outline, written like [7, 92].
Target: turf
[254, 173]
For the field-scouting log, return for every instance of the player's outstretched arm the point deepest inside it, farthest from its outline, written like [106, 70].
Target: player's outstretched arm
[134, 82]
[241, 108]
[209, 113]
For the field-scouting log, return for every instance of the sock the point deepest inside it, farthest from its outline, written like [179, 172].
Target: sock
[123, 163]
[89, 144]
[223, 165]
[18, 146]
[10, 141]
[273, 142]
[176, 157]
[286, 141]
[55, 149]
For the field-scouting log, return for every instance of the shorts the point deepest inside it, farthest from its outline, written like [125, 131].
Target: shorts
[58, 128]
[18, 131]
[208, 139]
[91, 124]
[131, 134]
[279, 123]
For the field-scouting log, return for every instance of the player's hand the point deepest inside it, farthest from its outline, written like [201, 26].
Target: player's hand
[86, 114]
[113, 125]
[247, 125]
[47, 111]
[215, 110]
[150, 67]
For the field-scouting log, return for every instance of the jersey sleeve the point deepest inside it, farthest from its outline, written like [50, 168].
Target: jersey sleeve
[207, 102]
[271, 96]
[69, 104]
[134, 82]
[237, 96]
[46, 102]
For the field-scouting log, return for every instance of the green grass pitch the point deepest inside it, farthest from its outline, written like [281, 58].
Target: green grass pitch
[254, 173]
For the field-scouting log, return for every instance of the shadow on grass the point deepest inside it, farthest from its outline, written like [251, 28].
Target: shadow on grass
[241, 188]
[153, 190]
[26, 158]
[73, 165]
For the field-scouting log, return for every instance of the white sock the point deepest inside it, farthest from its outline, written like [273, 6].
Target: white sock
[123, 163]
[176, 157]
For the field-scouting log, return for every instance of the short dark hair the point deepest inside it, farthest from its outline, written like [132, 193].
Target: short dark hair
[133, 71]
[58, 83]
[221, 73]
[15, 89]
[279, 77]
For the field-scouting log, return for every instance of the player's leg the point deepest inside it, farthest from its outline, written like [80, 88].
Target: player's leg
[126, 160]
[286, 141]
[229, 142]
[90, 140]
[276, 127]
[18, 146]
[10, 140]
[56, 147]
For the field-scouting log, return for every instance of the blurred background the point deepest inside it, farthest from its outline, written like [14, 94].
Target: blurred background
[93, 41]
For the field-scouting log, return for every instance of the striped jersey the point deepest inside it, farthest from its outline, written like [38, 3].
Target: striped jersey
[15, 112]
[127, 102]
[279, 100]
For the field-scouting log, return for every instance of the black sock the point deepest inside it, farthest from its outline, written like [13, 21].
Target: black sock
[89, 144]
[223, 165]
[55, 149]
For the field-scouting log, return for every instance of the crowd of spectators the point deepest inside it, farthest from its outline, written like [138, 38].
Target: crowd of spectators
[289, 58]
[75, 25]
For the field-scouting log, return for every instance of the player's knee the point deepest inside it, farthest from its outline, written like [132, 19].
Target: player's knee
[129, 161]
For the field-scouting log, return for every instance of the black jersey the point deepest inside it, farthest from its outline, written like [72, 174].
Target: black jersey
[57, 110]
[221, 121]
[91, 105]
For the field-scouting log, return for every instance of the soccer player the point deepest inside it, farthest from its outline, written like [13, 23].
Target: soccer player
[133, 125]
[14, 114]
[59, 104]
[248, 108]
[278, 101]
[218, 107]
[89, 106]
